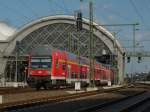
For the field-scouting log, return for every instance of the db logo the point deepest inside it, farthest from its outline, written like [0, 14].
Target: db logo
[39, 72]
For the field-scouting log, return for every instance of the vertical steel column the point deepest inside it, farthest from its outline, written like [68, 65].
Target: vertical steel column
[69, 42]
[16, 71]
[91, 41]
[124, 64]
[116, 73]
[17, 56]
[78, 42]
[93, 61]
[133, 50]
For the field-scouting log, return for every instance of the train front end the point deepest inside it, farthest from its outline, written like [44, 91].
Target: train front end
[39, 72]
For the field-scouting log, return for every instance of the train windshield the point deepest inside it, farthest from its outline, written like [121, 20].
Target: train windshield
[41, 62]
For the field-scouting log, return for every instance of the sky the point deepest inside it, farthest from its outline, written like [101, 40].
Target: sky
[20, 12]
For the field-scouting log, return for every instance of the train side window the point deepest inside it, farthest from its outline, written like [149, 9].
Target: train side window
[57, 63]
[75, 76]
[85, 75]
[81, 76]
[72, 75]
[63, 66]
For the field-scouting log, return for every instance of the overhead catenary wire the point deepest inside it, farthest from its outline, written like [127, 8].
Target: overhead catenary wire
[119, 15]
[138, 14]
[50, 8]
[148, 3]
[65, 9]
[14, 11]
[24, 4]
[147, 6]
[19, 17]
[116, 13]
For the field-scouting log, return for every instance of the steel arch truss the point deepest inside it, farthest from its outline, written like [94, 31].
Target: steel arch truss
[60, 36]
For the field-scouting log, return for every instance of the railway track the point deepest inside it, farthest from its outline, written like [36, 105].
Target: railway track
[127, 104]
[59, 100]
[18, 105]
[8, 90]
[139, 106]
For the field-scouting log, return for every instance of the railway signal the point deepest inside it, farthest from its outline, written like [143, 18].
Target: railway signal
[128, 59]
[79, 21]
[139, 59]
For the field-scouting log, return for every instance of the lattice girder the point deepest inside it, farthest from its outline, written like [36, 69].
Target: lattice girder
[56, 36]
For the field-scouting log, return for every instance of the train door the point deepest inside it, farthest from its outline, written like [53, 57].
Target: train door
[88, 75]
[69, 74]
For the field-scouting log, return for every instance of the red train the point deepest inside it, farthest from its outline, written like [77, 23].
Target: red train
[62, 68]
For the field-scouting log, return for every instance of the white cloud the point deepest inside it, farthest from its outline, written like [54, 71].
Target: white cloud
[6, 31]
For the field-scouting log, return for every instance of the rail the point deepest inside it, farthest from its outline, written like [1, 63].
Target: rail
[41, 101]
[108, 105]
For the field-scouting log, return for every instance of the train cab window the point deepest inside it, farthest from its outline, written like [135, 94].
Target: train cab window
[35, 63]
[41, 62]
[45, 63]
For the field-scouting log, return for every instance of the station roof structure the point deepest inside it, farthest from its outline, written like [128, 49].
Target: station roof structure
[56, 32]
[53, 32]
